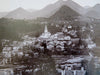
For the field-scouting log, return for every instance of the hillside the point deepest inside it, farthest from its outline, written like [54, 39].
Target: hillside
[65, 12]
[94, 12]
[3, 14]
[53, 8]
[18, 13]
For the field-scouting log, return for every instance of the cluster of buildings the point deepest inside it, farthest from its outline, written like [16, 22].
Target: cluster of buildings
[8, 71]
[66, 36]
[14, 48]
[71, 67]
[67, 39]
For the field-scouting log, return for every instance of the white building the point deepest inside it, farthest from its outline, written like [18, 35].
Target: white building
[46, 34]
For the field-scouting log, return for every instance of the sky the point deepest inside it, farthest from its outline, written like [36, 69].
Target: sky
[9, 5]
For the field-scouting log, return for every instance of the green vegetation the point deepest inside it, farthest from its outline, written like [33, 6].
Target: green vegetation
[13, 29]
[65, 13]
[10, 29]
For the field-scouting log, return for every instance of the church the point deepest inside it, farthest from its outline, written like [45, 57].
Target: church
[46, 34]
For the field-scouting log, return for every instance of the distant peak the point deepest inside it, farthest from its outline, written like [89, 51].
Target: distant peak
[64, 0]
[20, 8]
[97, 5]
[87, 7]
[60, 0]
[68, 0]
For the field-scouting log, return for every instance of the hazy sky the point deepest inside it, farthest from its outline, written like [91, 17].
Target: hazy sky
[8, 5]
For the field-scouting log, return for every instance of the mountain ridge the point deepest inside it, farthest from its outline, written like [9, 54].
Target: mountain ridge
[94, 12]
[65, 13]
[51, 9]
[18, 13]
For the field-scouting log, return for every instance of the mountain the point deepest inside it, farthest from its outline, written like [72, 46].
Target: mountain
[87, 7]
[3, 14]
[52, 8]
[46, 12]
[65, 12]
[18, 13]
[94, 12]
[32, 10]
[96, 8]
[75, 6]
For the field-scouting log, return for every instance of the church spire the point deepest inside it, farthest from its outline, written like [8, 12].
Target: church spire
[46, 34]
[46, 29]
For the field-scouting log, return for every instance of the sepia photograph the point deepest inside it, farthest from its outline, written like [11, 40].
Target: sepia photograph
[49, 37]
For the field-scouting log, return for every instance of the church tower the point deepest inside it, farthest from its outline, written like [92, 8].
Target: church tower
[46, 34]
[46, 29]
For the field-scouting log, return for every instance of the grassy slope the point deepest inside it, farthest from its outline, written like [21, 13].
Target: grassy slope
[97, 38]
